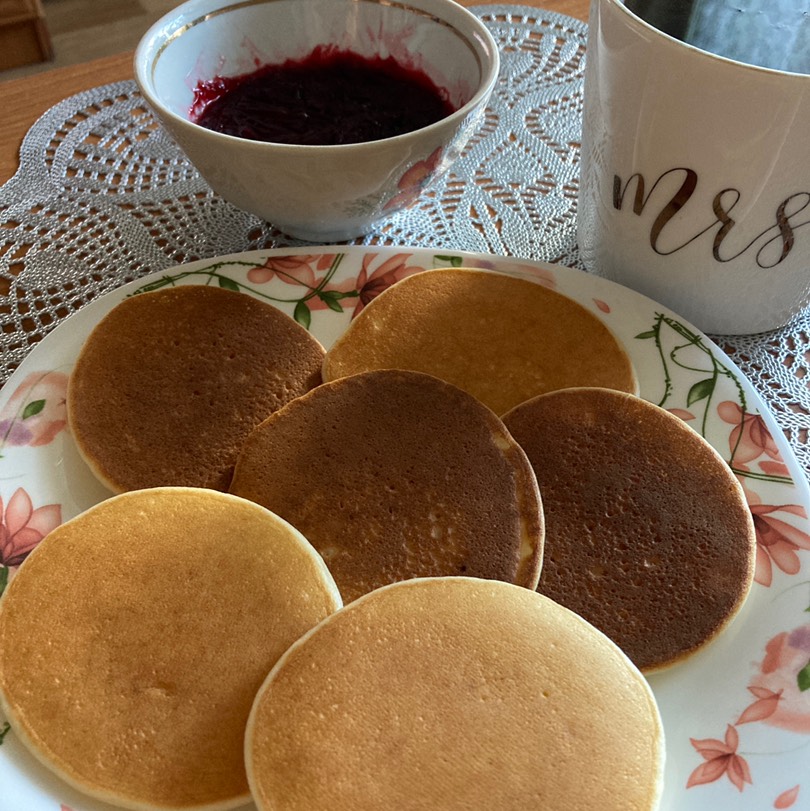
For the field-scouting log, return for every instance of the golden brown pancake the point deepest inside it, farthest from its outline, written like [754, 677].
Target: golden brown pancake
[455, 694]
[169, 383]
[501, 338]
[134, 638]
[648, 533]
[392, 475]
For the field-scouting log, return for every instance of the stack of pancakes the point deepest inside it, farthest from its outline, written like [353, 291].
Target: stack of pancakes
[409, 484]
[427, 482]
[504, 339]
[169, 384]
[135, 636]
[454, 693]
[649, 535]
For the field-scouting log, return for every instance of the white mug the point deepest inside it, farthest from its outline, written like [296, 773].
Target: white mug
[695, 176]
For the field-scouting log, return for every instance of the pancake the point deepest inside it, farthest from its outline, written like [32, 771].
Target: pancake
[169, 383]
[501, 338]
[455, 694]
[649, 536]
[134, 638]
[392, 475]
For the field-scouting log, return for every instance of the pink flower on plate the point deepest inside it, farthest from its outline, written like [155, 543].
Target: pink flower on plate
[787, 798]
[682, 414]
[778, 541]
[414, 179]
[294, 269]
[22, 527]
[785, 672]
[763, 707]
[750, 439]
[370, 283]
[36, 412]
[720, 758]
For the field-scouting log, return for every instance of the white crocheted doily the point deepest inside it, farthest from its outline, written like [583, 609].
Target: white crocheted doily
[104, 196]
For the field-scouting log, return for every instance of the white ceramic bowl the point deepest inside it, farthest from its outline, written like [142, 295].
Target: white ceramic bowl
[318, 193]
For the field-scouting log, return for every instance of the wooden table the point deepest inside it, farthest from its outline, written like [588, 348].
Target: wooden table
[22, 101]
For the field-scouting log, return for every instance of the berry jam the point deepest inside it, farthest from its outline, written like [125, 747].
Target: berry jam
[330, 97]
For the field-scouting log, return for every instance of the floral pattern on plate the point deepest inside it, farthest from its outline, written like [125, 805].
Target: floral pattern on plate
[737, 716]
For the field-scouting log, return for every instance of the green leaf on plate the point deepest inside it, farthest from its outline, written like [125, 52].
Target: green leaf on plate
[3, 579]
[701, 390]
[4, 730]
[332, 299]
[302, 314]
[453, 261]
[803, 679]
[228, 284]
[650, 333]
[33, 408]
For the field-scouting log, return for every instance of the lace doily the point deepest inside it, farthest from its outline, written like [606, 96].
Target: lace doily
[104, 196]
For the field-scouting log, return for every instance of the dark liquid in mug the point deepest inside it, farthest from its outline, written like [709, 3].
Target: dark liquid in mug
[330, 97]
[767, 33]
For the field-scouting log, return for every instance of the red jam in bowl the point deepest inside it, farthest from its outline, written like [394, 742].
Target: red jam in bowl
[330, 97]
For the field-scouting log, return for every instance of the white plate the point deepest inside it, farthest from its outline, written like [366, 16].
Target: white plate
[737, 719]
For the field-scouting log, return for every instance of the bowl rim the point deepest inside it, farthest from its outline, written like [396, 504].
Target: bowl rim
[193, 12]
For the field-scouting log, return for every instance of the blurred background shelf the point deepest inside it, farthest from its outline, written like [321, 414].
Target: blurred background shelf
[24, 35]
[37, 35]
